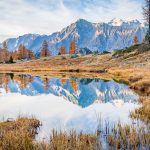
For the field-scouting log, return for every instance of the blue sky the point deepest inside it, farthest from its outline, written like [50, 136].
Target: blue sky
[19, 17]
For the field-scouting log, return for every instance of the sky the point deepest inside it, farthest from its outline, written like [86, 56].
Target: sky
[18, 17]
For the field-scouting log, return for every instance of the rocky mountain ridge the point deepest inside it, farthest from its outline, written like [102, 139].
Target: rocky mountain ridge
[116, 34]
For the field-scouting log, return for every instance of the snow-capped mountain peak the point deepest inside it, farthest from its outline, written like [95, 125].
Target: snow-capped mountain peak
[116, 22]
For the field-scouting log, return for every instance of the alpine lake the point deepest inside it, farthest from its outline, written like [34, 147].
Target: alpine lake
[66, 103]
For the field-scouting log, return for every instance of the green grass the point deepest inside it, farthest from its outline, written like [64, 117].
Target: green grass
[126, 50]
[139, 48]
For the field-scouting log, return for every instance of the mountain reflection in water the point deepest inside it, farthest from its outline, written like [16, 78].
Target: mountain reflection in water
[82, 92]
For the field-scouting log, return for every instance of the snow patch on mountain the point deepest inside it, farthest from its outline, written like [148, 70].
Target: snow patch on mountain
[116, 22]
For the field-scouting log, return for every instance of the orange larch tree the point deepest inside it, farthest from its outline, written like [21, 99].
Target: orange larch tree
[20, 52]
[4, 54]
[30, 54]
[44, 51]
[135, 40]
[62, 50]
[63, 81]
[15, 55]
[73, 47]
[23, 80]
[23, 53]
[74, 85]
[46, 84]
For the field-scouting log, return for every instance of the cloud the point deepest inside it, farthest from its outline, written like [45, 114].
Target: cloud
[19, 17]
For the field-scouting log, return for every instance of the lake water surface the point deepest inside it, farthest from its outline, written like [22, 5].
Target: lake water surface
[72, 103]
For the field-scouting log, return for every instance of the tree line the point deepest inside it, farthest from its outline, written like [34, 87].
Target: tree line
[22, 53]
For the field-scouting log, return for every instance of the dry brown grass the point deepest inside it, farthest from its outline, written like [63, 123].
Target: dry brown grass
[143, 112]
[18, 134]
[128, 137]
[70, 141]
[143, 86]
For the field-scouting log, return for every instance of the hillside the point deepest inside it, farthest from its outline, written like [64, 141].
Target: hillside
[116, 34]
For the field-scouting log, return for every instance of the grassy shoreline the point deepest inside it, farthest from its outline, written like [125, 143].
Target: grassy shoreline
[20, 134]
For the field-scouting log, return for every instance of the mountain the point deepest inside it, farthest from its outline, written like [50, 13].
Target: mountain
[115, 34]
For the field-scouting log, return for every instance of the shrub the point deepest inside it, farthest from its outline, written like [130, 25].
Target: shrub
[95, 53]
[143, 48]
[63, 57]
[126, 50]
[106, 52]
[11, 60]
[74, 56]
